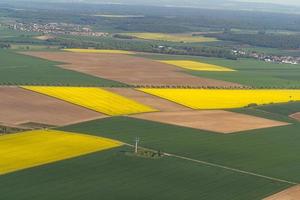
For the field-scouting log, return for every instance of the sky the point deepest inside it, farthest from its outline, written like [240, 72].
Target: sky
[284, 2]
[175, 2]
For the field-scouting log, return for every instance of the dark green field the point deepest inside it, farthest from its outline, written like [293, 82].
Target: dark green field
[284, 109]
[248, 72]
[272, 152]
[280, 111]
[112, 175]
[17, 69]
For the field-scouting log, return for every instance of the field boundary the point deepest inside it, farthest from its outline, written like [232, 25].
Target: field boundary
[231, 169]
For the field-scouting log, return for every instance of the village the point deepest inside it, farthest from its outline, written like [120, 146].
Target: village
[56, 29]
[268, 58]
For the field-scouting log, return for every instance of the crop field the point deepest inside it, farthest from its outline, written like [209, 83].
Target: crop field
[197, 66]
[96, 99]
[172, 37]
[34, 148]
[289, 110]
[290, 193]
[113, 175]
[17, 69]
[253, 151]
[285, 109]
[212, 120]
[225, 98]
[148, 99]
[149, 102]
[25, 47]
[128, 69]
[19, 107]
[105, 51]
[248, 72]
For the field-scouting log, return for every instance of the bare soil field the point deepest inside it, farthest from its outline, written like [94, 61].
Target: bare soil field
[217, 120]
[296, 116]
[292, 193]
[149, 100]
[128, 69]
[19, 106]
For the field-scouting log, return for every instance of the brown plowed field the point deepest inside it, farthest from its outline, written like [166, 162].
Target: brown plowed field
[128, 69]
[149, 100]
[292, 193]
[19, 106]
[296, 116]
[214, 120]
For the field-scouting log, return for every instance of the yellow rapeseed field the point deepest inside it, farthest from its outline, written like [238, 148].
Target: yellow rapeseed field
[172, 37]
[33, 148]
[198, 66]
[224, 98]
[99, 51]
[96, 99]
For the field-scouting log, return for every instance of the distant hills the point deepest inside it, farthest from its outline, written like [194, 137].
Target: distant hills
[211, 4]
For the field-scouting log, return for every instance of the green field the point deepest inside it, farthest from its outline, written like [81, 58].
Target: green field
[254, 151]
[25, 47]
[280, 111]
[17, 69]
[248, 72]
[284, 109]
[113, 175]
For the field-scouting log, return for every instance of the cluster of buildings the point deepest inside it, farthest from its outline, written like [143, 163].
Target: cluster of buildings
[268, 58]
[56, 28]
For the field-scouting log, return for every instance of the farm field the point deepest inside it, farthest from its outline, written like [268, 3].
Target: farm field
[144, 100]
[247, 72]
[147, 99]
[254, 151]
[17, 69]
[296, 116]
[289, 110]
[172, 37]
[216, 121]
[25, 47]
[20, 107]
[132, 70]
[285, 109]
[33, 148]
[105, 51]
[197, 66]
[290, 193]
[225, 98]
[104, 174]
[96, 99]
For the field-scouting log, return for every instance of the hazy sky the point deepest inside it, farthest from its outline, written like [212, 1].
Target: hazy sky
[289, 2]
[175, 2]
